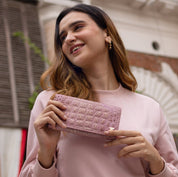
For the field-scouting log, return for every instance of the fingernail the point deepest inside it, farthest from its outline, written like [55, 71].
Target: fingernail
[64, 125]
[106, 132]
[65, 117]
[64, 107]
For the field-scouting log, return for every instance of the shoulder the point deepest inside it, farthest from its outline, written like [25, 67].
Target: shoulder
[145, 98]
[45, 94]
[140, 99]
[42, 99]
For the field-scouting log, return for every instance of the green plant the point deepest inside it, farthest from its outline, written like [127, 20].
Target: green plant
[33, 97]
[37, 51]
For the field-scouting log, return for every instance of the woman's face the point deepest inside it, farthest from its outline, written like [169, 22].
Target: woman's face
[83, 42]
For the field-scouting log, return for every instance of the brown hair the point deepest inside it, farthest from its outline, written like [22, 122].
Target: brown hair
[66, 78]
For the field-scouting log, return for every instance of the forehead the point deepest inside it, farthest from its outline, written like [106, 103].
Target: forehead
[72, 17]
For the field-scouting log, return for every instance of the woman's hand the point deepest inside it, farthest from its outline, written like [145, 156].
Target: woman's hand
[136, 146]
[49, 137]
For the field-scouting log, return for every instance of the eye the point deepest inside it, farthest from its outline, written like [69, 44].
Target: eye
[62, 38]
[78, 27]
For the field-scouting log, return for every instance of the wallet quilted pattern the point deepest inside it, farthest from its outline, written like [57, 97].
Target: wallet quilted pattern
[88, 117]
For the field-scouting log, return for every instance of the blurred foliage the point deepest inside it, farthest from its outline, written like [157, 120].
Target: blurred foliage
[37, 51]
[33, 97]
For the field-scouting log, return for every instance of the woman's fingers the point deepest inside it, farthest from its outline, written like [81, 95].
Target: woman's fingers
[135, 149]
[136, 144]
[125, 140]
[38, 124]
[56, 107]
[52, 115]
[55, 118]
[57, 104]
[131, 154]
[123, 137]
[122, 133]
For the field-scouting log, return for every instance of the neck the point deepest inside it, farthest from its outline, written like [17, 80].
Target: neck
[102, 78]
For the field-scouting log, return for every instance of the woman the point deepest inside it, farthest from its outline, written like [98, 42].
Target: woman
[91, 63]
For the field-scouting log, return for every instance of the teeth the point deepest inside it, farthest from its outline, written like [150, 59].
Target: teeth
[76, 48]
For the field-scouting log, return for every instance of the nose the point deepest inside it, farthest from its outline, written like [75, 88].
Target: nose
[70, 38]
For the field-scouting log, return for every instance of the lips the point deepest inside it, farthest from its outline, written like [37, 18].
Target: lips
[75, 48]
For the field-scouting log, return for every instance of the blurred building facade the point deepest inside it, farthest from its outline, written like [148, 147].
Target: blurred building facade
[20, 69]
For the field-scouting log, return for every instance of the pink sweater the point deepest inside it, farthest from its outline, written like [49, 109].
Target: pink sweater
[79, 156]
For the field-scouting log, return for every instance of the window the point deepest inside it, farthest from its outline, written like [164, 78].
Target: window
[20, 67]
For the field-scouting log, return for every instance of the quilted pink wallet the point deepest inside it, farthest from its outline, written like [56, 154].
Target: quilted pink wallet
[87, 117]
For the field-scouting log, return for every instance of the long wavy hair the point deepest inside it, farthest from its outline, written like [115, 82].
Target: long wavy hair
[68, 79]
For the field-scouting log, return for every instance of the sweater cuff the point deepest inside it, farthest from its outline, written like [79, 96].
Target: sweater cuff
[164, 173]
[45, 172]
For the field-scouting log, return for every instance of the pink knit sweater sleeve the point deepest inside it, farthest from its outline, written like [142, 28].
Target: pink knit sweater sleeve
[166, 146]
[31, 167]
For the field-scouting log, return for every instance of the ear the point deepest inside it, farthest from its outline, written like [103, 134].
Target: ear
[107, 37]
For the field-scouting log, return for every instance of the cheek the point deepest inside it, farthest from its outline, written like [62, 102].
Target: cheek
[96, 37]
[64, 49]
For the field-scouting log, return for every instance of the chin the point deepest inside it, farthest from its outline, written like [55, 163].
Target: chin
[80, 62]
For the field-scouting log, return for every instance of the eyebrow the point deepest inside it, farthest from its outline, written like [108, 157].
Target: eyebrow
[71, 25]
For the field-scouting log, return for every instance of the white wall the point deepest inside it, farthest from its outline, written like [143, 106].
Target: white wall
[137, 29]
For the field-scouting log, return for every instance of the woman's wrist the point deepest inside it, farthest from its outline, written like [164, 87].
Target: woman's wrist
[157, 166]
[45, 159]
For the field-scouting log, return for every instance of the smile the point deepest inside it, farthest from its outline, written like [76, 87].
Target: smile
[74, 49]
